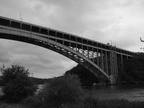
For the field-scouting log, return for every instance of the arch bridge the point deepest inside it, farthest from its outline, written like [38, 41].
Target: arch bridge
[101, 59]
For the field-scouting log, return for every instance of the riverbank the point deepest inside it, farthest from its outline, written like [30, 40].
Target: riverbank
[124, 96]
[128, 92]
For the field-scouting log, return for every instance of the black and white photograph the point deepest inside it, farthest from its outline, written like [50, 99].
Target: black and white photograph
[71, 54]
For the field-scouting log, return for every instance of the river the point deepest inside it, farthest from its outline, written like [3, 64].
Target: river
[129, 92]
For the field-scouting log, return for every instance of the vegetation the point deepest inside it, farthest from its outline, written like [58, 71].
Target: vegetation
[58, 92]
[86, 77]
[1, 82]
[95, 103]
[39, 80]
[133, 71]
[17, 84]
[33, 79]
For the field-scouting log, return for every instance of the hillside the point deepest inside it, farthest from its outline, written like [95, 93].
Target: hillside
[133, 71]
[39, 80]
[86, 77]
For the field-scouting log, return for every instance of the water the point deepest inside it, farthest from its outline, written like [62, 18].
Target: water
[129, 92]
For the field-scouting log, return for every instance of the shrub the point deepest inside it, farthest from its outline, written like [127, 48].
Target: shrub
[114, 103]
[17, 84]
[33, 101]
[62, 91]
[90, 102]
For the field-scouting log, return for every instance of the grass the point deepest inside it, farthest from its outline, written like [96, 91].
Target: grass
[120, 103]
[89, 103]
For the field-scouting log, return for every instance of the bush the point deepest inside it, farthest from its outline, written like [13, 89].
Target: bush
[62, 91]
[90, 102]
[33, 101]
[17, 84]
[115, 103]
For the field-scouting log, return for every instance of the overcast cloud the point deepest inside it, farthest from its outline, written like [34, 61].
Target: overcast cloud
[118, 21]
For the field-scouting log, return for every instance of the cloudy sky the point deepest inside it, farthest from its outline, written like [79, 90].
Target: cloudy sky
[118, 21]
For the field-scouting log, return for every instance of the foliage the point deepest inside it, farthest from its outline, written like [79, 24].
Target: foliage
[62, 90]
[120, 103]
[17, 84]
[113, 103]
[90, 102]
[39, 80]
[1, 82]
[86, 77]
[33, 101]
[133, 70]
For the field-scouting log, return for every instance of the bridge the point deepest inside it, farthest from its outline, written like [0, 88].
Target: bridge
[101, 59]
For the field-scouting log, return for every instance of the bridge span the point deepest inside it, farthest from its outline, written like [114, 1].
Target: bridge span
[101, 59]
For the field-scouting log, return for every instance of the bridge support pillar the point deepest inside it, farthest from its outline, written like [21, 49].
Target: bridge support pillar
[113, 66]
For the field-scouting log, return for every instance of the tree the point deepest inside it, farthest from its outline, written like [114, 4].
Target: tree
[62, 91]
[87, 78]
[17, 84]
[133, 70]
